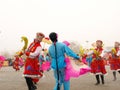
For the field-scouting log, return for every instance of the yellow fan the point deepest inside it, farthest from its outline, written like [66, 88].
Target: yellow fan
[96, 52]
[82, 50]
[114, 51]
[25, 39]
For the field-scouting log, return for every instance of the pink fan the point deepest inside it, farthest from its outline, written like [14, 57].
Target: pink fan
[66, 42]
[2, 58]
[46, 66]
[73, 70]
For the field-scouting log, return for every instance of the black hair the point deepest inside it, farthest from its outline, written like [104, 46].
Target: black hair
[53, 36]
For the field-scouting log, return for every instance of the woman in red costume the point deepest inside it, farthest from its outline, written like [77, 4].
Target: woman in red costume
[97, 64]
[114, 60]
[31, 69]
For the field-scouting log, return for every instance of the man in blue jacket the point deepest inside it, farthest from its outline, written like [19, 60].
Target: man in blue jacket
[57, 52]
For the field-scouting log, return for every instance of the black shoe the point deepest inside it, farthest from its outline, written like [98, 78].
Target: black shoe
[34, 87]
[103, 82]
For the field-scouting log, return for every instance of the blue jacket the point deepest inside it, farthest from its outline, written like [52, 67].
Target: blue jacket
[62, 49]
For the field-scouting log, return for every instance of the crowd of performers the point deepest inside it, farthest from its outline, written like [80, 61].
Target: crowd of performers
[99, 58]
[69, 64]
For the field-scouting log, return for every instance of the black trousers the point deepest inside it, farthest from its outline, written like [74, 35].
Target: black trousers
[30, 84]
[98, 79]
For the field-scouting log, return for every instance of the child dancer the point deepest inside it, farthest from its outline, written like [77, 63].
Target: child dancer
[114, 60]
[97, 65]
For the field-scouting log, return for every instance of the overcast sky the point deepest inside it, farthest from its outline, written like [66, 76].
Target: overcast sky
[77, 20]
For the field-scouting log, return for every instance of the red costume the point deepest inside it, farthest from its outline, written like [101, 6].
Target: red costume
[32, 63]
[31, 69]
[114, 60]
[98, 64]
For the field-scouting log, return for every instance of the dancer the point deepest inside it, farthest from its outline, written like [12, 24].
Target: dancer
[97, 65]
[57, 52]
[114, 60]
[31, 69]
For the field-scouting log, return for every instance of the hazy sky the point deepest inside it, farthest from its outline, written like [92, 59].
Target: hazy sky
[77, 20]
